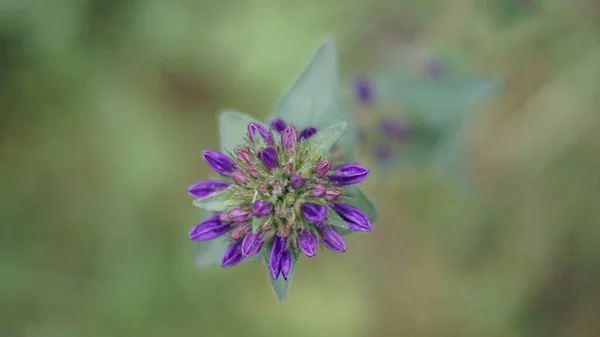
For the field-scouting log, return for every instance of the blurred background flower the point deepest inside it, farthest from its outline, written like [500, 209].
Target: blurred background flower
[104, 103]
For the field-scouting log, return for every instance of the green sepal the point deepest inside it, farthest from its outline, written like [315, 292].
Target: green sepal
[217, 202]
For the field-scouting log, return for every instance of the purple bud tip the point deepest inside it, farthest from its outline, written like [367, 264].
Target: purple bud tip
[314, 213]
[307, 243]
[348, 174]
[354, 217]
[238, 215]
[322, 168]
[268, 156]
[332, 240]
[307, 132]
[275, 256]
[286, 263]
[219, 162]
[278, 125]
[261, 208]
[251, 244]
[317, 191]
[232, 255]
[210, 228]
[296, 181]
[363, 90]
[289, 137]
[393, 128]
[264, 133]
[205, 188]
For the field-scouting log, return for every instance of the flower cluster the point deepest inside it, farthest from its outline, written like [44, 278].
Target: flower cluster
[282, 197]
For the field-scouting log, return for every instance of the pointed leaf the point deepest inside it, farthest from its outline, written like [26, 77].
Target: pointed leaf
[233, 127]
[322, 142]
[217, 202]
[314, 98]
[280, 286]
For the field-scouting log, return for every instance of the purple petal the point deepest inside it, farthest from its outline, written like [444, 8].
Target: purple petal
[317, 191]
[354, 217]
[210, 228]
[219, 162]
[232, 255]
[205, 188]
[275, 256]
[261, 208]
[307, 132]
[289, 137]
[286, 263]
[314, 213]
[251, 244]
[307, 243]
[348, 174]
[268, 156]
[264, 133]
[296, 181]
[237, 214]
[332, 240]
[278, 125]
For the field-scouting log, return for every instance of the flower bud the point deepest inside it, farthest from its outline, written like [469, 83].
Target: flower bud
[232, 255]
[314, 213]
[332, 194]
[322, 168]
[286, 263]
[219, 162]
[296, 181]
[317, 191]
[261, 208]
[275, 256]
[251, 244]
[244, 156]
[278, 125]
[354, 217]
[239, 232]
[289, 138]
[202, 189]
[264, 133]
[251, 170]
[235, 215]
[262, 188]
[239, 178]
[307, 132]
[332, 240]
[210, 228]
[268, 157]
[348, 174]
[307, 243]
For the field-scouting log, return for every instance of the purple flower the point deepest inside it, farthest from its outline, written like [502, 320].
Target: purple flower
[307, 132]
[210, 228]
[268, 156]
[261, 208]
[322, 168]
[264, 133]
[314, 213]
[348, 174]
[354, 218]
[317, 191]
[233, 254]
[296, 181]
[275, 256]
[278, 125]
[332, 240]
[251, 244]
[393, 128]
[289, 138]
[307, 243]
[202, 189]
[286, 263]
[363, 90]
[219, 162]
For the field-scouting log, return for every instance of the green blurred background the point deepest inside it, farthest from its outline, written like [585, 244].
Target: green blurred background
[105, 106]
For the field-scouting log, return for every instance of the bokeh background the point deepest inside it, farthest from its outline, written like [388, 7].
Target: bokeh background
[105, 106]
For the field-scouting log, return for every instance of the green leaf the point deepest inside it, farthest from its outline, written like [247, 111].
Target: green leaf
[335, 221]
[280, 286]
[363, 203]
[314, 98]
[217, 202]
[322, 142]
[233, 126]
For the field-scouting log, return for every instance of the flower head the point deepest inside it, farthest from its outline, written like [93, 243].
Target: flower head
[281, 193]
